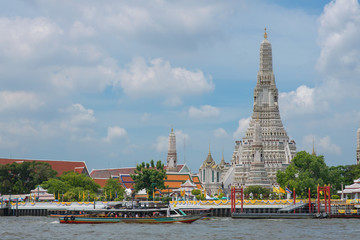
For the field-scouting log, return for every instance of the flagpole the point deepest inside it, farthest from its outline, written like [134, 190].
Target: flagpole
[294, 199]
[318, 196]
[309, 201]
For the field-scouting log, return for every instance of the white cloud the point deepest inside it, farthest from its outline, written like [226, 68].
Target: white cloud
[25, 37]
[181, 138]
[78, 30]
[162, 142]
[299, 101]
[243, 125]
[115, 133]
[94, 78]
[339, 60]
[220, 133]
[322, 144]
[77, 117]
[204, 111]
[19, 100]
[158, 77]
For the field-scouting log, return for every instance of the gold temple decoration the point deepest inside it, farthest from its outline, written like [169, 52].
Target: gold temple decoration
[265, 34]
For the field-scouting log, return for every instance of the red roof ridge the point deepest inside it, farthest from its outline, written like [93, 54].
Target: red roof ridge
[51, 160]
[105, 169]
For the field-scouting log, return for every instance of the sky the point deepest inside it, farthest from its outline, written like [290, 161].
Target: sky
[105, 81]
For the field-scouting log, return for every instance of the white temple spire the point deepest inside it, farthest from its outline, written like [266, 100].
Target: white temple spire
[172, 156]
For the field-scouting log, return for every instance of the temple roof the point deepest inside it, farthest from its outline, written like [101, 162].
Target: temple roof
[57, 165]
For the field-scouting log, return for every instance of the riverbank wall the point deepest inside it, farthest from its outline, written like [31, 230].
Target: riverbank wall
[216, 208]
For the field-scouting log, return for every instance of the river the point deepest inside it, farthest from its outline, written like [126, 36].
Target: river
[215, 228]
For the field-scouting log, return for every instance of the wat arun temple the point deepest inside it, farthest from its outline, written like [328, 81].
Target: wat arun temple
[265, 148]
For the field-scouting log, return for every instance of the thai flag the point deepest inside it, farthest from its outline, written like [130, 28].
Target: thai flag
[288, 190]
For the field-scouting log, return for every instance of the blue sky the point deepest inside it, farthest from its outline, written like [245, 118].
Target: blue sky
[104, 82]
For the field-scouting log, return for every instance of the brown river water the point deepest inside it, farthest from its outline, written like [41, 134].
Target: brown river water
[216, 228]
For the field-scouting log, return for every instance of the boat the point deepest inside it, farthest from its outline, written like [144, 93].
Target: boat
[65, 213]
[153, 216]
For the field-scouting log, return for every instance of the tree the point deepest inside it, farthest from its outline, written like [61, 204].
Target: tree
[256, 191]
[114, 187]
[148, 176]
[305, 171]
[74, 186]
[23, 177]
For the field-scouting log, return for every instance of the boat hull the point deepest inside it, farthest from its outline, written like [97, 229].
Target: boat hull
[151, 220]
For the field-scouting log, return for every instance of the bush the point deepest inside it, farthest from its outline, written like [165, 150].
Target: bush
[335, 197]
[196, 192]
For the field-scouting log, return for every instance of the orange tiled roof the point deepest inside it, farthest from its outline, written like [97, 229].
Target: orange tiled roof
[177, 177]
[126, 179]
[173, 185]
[100, 181]
[59, 166]
[195, 179]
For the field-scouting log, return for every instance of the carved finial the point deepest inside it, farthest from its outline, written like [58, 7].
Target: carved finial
[313, 151]
[265, 34]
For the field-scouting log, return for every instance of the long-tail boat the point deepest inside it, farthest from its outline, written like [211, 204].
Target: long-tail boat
[154, 216]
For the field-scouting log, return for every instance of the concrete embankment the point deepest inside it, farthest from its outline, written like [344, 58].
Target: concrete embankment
[217, 208]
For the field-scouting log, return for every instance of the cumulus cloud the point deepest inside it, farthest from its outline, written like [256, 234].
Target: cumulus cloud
[115, 133]
[77, 116]
[299, 101]
[220, 133]
[23, 37]
[158, 77]
[322, 144]
[19, 100]
[93, 79]
[79, 29]
[162, 142]
[339, 60]
[204, 111]
[243, 125]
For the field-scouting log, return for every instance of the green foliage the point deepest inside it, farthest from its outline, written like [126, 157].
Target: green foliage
[335, 197]
[196, 192]
[114, 187]
[148, 176]
[23, 177]
[256, 191]
[74, 186]
[307, 171]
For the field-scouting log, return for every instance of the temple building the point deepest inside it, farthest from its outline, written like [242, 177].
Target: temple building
[210, 175]
[176, 175]
[358, 147]
[266, 147]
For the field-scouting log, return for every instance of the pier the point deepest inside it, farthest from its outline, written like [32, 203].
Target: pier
[215, 208]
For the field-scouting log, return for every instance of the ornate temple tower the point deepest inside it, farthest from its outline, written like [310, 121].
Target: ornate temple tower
[172, 156]
[266, 147]
[209, 175]
[358, 147]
